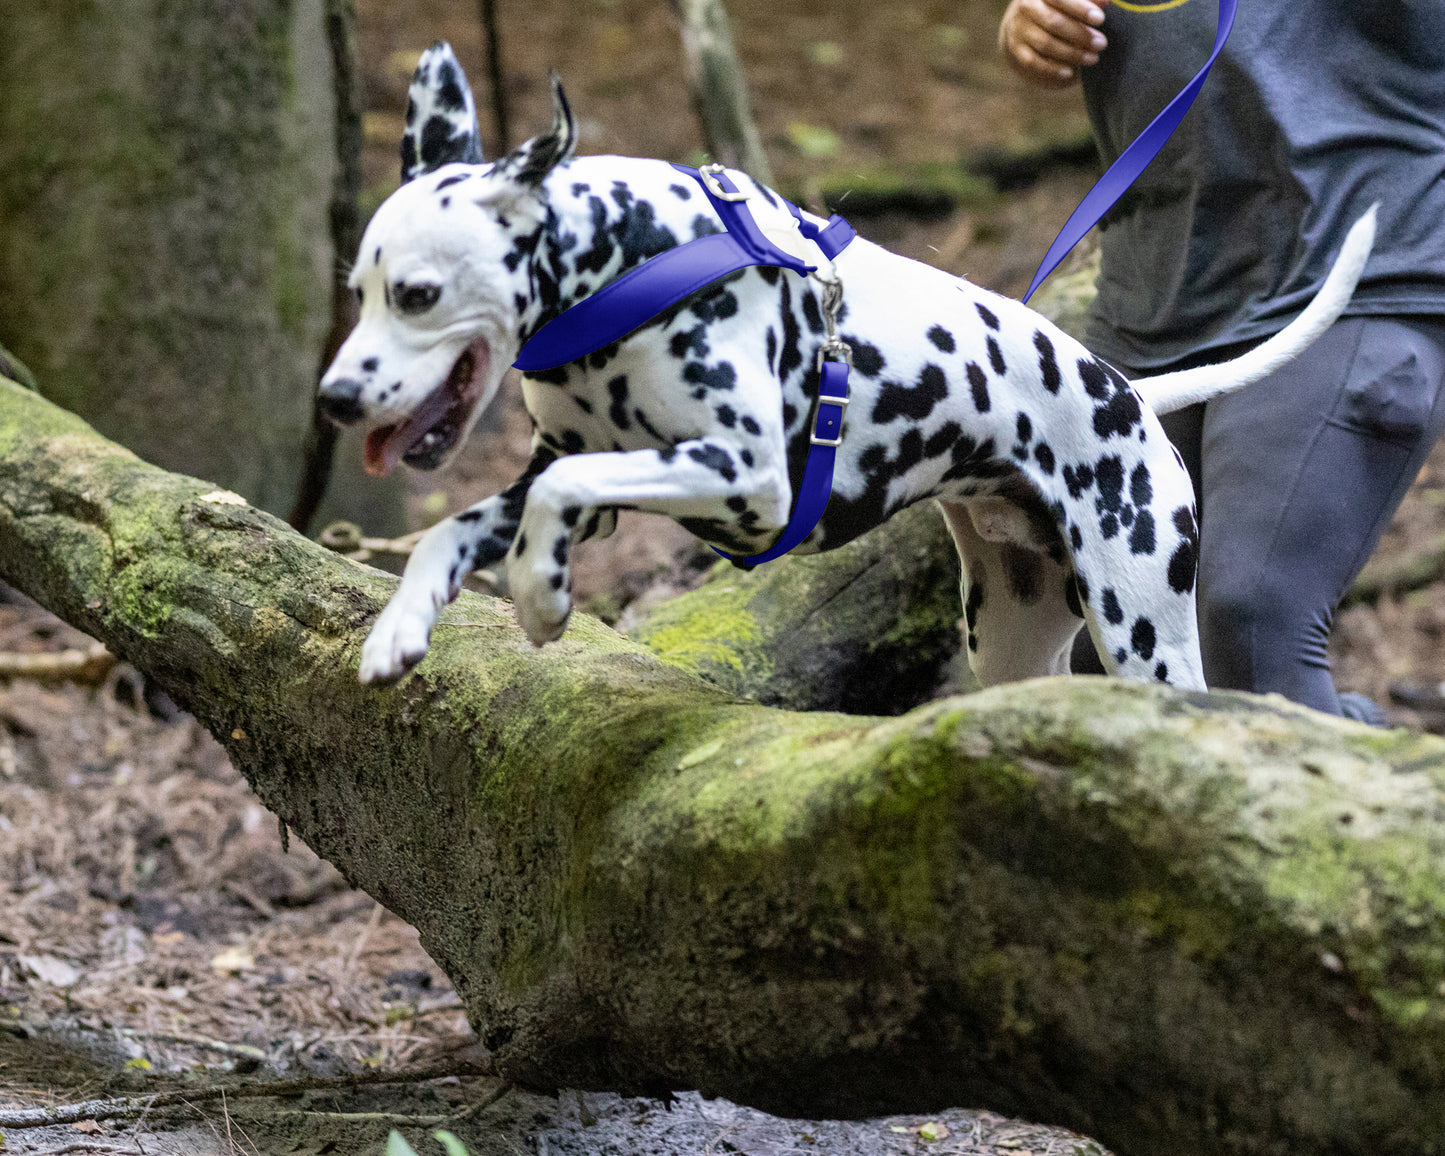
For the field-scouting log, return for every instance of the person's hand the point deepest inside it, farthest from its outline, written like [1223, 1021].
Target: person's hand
[1048, 41]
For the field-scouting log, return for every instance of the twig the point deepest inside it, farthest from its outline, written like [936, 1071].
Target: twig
[127, 1106]
[90, 665]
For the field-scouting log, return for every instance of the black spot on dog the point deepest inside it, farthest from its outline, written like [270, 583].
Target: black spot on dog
[1141, 537]
[1121, 656]
[726, 416]
[867, 359]
[942, 338]
[692, 343]
[666, 453]
[583, 404]
[648, 427]
[556, 581]
[436, 141]
[772, 348]
[747, 457]
[769, 273]
[1048, 367]
[1021, 568]
[521, 544]
[573, 442]
[1078, 479]
[1142, 639]
[939, 442]
[681, 192]
[737, 504]
[971, 606]
[1141, 491]
[1113, 612]
[721, 376]
[1045, 457]
[916, 402]
[448, 89]
[1161, 673]
[978, 384]
[792, 355]
[580, 187]
[1118, 416]
[1076, 537]
[1183, 563]
[448, 182]
[571, 515]
[995, 357]
[371, 364]
[446, 202]
[716, 459]
[751, 426]
[1025, 429]
[559, 550]
[988, 316]
[812, 314]
[1096, 381]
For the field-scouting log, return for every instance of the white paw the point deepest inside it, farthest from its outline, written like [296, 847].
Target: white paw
[542, 608]
[398, 641]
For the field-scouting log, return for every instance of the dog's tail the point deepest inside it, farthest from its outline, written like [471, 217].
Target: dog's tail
[1171, 391]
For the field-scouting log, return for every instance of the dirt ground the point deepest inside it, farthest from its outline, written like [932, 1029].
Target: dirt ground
[155, 929]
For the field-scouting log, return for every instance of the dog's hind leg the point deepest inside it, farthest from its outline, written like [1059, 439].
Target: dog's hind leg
[1020, 611]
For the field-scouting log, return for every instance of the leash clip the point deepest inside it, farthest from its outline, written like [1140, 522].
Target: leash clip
[709, 175]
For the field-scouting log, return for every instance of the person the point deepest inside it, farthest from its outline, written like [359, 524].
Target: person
[1314, 110]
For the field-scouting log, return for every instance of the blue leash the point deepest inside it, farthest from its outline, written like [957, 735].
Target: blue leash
[1133, 160]
[640, 294]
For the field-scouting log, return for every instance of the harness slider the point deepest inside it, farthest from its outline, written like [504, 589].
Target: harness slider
[708, 174]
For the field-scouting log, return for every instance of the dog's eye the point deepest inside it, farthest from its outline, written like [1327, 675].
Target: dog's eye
[417, 298]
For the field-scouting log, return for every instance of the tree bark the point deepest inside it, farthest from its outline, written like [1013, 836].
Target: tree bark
[165, 260]
[1177, 922]
[719, 88]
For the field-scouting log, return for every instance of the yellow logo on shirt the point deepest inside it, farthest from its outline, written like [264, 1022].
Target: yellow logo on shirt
[1161, 6]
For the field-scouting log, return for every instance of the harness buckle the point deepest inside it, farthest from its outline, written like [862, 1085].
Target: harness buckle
[709, 176]
[818, 439]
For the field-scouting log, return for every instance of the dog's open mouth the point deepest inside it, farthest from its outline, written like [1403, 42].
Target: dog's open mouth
[428, 435]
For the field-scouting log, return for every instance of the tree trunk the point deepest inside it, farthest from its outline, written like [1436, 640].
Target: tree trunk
[719, 88]
[165, 256]
[1179, 922]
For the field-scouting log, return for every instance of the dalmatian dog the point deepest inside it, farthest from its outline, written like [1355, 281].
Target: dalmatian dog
[1066, 500]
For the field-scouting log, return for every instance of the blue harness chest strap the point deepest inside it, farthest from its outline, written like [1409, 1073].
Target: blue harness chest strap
[639, 295]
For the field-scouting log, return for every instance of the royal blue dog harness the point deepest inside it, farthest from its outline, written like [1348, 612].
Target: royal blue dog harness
[640, 294]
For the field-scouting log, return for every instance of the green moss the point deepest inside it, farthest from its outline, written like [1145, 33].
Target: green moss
[708, 633]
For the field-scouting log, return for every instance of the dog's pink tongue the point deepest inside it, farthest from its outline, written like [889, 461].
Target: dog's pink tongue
[386, 445]
[377, 459]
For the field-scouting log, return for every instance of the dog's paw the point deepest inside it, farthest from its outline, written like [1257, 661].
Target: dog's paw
[543, 603]
[396, 643]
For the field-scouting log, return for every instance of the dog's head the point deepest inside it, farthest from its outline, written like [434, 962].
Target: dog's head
[438, 295]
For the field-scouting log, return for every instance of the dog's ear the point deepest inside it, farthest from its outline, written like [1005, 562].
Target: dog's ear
[528, 164]
[441, 117]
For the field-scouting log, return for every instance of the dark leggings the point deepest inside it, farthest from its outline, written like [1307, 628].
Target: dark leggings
[1296, 477]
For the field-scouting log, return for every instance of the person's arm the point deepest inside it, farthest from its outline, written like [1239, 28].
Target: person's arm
[1048, 41]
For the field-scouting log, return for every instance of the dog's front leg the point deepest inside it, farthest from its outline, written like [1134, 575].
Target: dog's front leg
[449, 551]
[702, 479]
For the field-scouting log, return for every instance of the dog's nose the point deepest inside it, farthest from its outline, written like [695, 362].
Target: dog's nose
[340, 400]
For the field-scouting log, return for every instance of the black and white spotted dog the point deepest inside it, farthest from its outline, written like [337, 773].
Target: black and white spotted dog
[1067, 502]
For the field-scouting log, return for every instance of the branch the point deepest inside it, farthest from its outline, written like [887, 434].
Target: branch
[1178, 922]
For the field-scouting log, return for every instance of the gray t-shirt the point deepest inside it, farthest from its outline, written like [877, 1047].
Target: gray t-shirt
[1314, 109]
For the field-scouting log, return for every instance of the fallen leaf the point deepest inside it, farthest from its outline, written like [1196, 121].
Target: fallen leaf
[140, 1064]
[89, 1127]
[48, 969]
[233, 960]
[933, 1131]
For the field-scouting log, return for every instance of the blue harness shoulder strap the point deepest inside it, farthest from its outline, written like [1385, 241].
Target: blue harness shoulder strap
[639, 295]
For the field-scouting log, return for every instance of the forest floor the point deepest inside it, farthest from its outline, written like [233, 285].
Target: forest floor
[156, 931]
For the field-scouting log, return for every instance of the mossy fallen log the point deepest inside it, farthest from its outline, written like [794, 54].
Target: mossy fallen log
[1179, 923]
